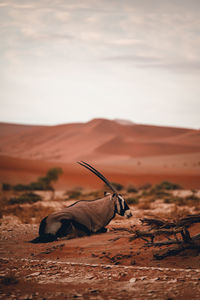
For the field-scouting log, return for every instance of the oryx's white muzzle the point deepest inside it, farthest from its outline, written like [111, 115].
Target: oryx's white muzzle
[128, 213]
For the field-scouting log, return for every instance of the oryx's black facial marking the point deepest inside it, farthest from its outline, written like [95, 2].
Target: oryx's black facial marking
[126, 207]
[122, 207]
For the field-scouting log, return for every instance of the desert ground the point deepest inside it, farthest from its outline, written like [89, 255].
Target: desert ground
[104, 266]
[112, 265]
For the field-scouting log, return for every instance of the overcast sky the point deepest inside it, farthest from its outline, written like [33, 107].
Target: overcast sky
[67, 61]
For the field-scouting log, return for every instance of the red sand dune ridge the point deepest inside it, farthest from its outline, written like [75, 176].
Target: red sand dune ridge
[129, 149]
[70, 142]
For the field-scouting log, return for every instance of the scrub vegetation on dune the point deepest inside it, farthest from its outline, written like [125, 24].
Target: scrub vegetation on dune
[25, 198]
[42, 184]
[32, 206]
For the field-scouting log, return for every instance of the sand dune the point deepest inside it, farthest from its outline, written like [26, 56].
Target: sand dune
[122, 150]
[70, 142]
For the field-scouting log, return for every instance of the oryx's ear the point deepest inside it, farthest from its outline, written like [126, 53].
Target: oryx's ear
[115, 199]
[106, 194]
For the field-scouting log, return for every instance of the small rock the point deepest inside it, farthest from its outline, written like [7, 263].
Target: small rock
[28, 297]
[33, 274]
[133, 262]
[94, 255]
[77, 295]
[132, 280]
[94, 291]
[122, 274]
[89, 277]
[143, 278]
[106, 267]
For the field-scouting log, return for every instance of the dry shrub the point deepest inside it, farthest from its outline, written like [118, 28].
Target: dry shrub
[73, 194]
[155, 192]
[116, 185]
[6, 186]
[146, 186]
[3, 203]
[160, 190]
[92, 195]
[180, 201]
[28, 214]
[173, 199]
[25, 198]
[76, 194]
[132, 200]
[132, 189]
[175, 212]
[144, 205]
[166, 185]
[9, 280]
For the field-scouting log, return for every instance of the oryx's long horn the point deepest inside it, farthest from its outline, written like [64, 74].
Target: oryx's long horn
[97, 173]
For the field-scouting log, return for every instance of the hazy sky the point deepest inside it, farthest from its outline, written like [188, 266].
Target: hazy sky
[65, 61]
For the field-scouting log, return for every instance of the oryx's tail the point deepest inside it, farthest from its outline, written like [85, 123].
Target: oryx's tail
[43, 237]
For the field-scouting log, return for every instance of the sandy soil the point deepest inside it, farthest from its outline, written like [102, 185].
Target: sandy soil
[105, 266]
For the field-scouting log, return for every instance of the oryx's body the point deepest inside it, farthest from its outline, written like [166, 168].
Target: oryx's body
[92, 214]
[82, 217]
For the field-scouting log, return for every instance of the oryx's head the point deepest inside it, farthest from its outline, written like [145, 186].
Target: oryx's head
[121, 207]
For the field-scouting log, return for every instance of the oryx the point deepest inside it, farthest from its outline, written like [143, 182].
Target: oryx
[84, 217]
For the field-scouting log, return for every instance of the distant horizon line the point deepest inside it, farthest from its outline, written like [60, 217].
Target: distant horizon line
[125, 122]
[117, 120]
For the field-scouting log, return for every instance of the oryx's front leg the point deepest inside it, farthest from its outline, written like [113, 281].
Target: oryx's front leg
[103, 230]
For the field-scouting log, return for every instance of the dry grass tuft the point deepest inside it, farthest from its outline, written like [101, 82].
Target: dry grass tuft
[9, 280]
[25, 198]
[192, 200]
[28, 214]
[73, 194]
[160, 199]
[144, 205]
[132, 200]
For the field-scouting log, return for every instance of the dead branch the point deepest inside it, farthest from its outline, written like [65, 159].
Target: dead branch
[157, 223]
[123, 229]
[184, 222]
[176, 250]
[158, 227]
[189, 220]
[154, 233]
